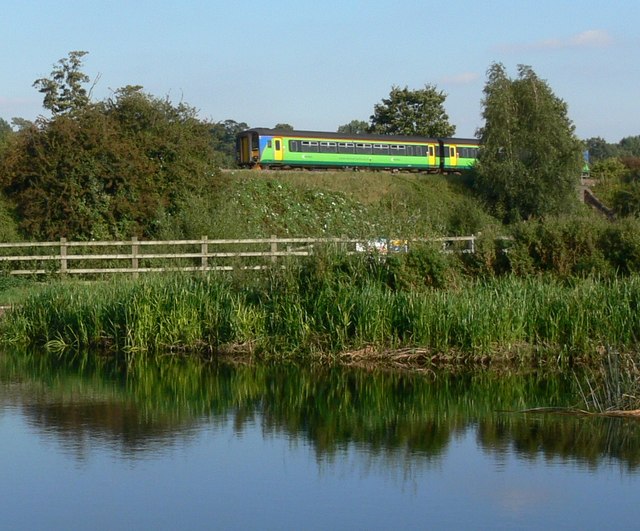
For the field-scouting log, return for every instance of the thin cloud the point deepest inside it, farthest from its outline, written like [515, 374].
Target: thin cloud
[591, 38]
[587, 39]
[460, 79]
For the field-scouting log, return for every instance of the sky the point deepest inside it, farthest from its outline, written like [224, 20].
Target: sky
[319, 64]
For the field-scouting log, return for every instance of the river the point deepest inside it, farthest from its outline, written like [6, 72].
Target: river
[89, 443]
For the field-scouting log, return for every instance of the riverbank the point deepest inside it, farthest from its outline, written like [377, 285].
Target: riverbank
[329, 308]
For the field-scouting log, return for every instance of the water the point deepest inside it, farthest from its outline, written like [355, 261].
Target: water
[181, 445]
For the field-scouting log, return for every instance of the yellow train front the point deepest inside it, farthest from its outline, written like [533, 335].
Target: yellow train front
[273, 148]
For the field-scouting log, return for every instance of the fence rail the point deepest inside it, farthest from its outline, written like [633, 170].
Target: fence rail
[142, 256]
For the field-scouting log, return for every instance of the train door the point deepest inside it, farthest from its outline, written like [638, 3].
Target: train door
[245, 152]
[453, 157]
[277, 149]
[431, 155]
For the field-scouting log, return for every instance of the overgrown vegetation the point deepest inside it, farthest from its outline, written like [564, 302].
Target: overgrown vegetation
[331, 304]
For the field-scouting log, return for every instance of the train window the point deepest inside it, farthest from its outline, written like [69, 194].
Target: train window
[431, 151]
[309, 146]
[328, 147]
[419, 151]
[381, 149]
[293, 145]
[345, 147]
[363, 148]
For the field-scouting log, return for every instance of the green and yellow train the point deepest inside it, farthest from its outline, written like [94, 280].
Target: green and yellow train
[273, 148]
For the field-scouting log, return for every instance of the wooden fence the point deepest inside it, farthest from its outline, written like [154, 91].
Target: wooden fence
[139, 256]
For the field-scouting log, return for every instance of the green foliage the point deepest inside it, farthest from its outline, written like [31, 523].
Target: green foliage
[599, 149]
[632, 165]
[335, 305]
[617, 184]
[425, 265]
[412, 112]
[565, 247]
[5, 134]
[621, 245]
[111, 169]
[356, 204]
[626, 200]
[224, 140]
[64, 91]
[630, 146]
[354, 127]
[8, 225]
[610, 169]
[530, 160]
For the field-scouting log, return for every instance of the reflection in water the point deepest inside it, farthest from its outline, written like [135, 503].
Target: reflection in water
[390, 415]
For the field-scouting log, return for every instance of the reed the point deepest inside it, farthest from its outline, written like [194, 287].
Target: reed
[332, 304]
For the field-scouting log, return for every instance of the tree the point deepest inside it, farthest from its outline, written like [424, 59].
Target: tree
[5, 133]
[599, 149]
[224, 139]
[530, 160]
[284, 127]
[115, 168]
[354, 127]
[630, 146]
[64, 91]
[412, 112]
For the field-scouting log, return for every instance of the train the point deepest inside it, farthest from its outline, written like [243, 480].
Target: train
[263, 148]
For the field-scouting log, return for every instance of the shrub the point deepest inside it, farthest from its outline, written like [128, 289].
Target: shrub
[621, 245]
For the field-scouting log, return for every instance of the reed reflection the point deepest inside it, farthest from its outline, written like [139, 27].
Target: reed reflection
[143, 408]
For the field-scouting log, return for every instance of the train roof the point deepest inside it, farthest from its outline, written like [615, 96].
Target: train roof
[367, 136]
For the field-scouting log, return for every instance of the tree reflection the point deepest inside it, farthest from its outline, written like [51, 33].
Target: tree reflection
[139, 408]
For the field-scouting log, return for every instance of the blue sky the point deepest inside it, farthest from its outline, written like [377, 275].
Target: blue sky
[318, 64]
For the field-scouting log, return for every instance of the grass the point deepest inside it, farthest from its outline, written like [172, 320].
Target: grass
[357, 204]
[328, 305]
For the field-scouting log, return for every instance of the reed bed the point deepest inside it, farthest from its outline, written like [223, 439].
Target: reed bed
[326, 308]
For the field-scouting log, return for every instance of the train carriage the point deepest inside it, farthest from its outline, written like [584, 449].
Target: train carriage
[272, 148]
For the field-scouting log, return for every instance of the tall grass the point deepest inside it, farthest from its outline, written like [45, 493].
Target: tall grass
[332, 304]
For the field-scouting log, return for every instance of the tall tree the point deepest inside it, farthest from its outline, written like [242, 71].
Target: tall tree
[530, 159]
[412, 112]
[64, 91]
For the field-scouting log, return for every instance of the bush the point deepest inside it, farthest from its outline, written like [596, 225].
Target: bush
[621, 245]
[561, 246]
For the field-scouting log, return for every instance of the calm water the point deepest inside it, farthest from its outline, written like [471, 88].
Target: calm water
[177, 445]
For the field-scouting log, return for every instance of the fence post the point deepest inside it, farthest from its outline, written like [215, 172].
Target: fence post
[63, 255]
[473, 244]
[204, 249]
[134, 255]
[274, 248]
